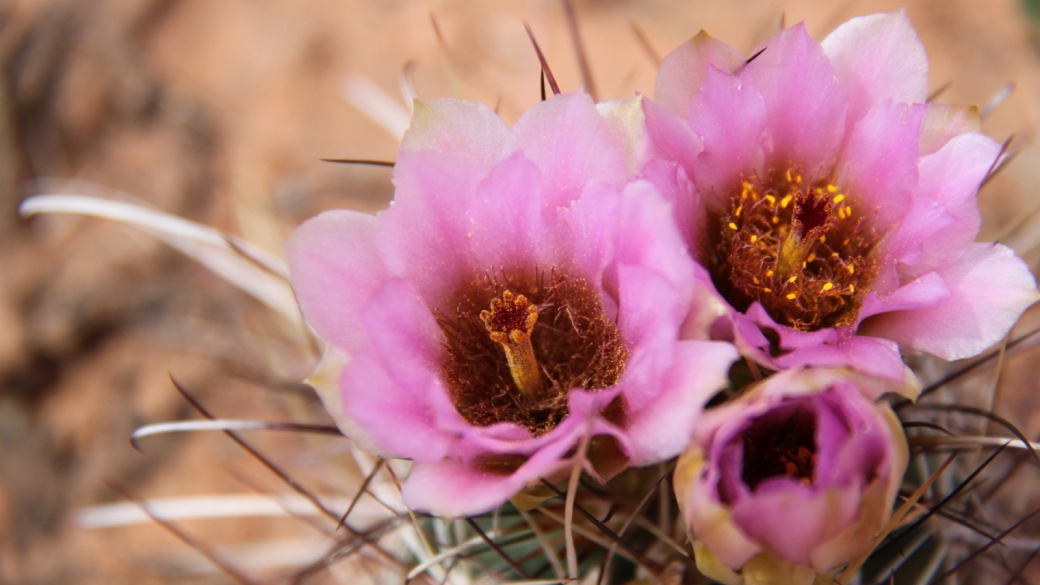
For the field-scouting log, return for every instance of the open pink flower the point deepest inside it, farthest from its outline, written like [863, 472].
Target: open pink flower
[834, 210]
[519, 295]
[797, 476]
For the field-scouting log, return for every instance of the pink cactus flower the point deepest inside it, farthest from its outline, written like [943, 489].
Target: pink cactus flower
[834, 211]
[796, 478]
[519, 296]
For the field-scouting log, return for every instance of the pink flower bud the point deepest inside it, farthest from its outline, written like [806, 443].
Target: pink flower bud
[796, 477]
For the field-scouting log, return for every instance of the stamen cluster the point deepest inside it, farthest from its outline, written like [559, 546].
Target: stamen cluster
[575, 345]
[795, 245]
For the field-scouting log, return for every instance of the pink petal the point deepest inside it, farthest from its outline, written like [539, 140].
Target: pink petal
[571, 144]
[878, 168]
[452, 489]
[729, 115]
[990, 288]
[792, 520]
[457, 125]
[393, 416]
[663, 428]
[682, 71]
[951, 178]
[869, 355]
[805, 104]
[649, 237]
[334, 268]
[508, 221]
[424, 236]
[878, 57]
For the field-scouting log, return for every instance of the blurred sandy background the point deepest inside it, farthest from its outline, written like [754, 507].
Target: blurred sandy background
[218, 111]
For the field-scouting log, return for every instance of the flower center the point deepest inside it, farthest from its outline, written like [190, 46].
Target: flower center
[781, 443]
[517, 343]
[795, 246]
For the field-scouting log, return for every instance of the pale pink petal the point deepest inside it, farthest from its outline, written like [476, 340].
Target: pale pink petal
[926, 291]
[805, 104]
[682, 71]
[729, 115]
[459, 125]
[557, 135]
[990, 288]
[878, 57]
[878, 167]
[334, 268]
[663, 428]
[670, 137]
[942, 122]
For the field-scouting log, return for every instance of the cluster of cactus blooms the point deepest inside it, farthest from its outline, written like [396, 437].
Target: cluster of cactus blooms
[578, 287]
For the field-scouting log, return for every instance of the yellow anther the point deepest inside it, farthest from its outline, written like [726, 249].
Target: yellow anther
[841, 212]
[798, 178]
[754, 238]
[823, 239]
[732, 226]
[828, 286]
[771, 199]
[767, 289]
[848, 211]
[746, 185]
[852, 288]
[769, 274]
[810, 258]
[788, 175]
[792, 279]
[737, 212]
[776, 220]
[786, 201]
[755, 280]
[852, 268]
[838, 198]
[791, 296]
[833, 189]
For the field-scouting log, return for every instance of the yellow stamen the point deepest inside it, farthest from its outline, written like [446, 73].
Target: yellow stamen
[852, 288]
[791, 296]
[833, 189]
[838, 198]
[823, 239]
[792, 279]
[737, 212]
[786, 201]
[788, 175]
[510, 323]
[848, 211]
[767, 289]
[811, 257]
[771, 199]
[828, 286]
[769, 274]
[732, 226]
[852, 269]
[754, 238]
[776, 219]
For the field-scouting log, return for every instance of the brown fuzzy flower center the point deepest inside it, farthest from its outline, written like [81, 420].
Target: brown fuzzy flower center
[518, 342]
[795, 245]
[780, 445]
